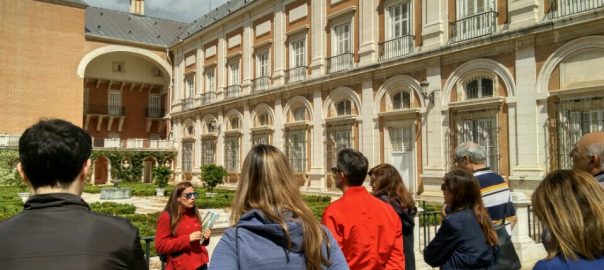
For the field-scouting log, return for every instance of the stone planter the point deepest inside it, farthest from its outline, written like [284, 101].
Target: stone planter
[24, 196]
[159, 192]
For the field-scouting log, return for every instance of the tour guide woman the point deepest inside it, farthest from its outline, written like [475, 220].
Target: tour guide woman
[179, 235]
[466, 238]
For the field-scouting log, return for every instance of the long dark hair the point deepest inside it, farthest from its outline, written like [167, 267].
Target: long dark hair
[465, 192]
[387, 181]
[173, 206]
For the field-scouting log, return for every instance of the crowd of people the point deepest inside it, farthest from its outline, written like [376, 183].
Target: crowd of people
[272, 227]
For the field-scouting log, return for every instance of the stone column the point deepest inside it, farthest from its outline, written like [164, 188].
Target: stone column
[368, 36]
[366, 118]
[221, 70]
[278, 124]
[247, 125]
[317, 31]
[246, 58]
[278, 45]
[317, 168]
[220, 139]
[197, 149]
[434, 126]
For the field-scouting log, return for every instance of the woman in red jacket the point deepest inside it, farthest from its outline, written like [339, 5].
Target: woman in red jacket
[179, 234]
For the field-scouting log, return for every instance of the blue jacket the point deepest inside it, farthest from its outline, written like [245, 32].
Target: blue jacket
[460, 244]
[559, 263]
[261, 244]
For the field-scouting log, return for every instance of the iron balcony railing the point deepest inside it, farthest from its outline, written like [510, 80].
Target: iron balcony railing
[261, 83]
[154, 113]
[396, 47]
[296, 74]
[105, 110]
[189, 103]
[233, 91]
[9, 140]
[474, 26]
[339, 62]
[562, 8]
[133, 143]
[208, 97]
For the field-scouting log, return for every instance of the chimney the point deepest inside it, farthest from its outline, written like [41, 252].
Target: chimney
[137, 7]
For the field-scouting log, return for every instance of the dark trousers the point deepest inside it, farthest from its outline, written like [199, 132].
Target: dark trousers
[203, 267]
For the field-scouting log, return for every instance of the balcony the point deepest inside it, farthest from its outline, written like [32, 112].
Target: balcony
[261, 83]
[189, 103]
[474, 26]
[233, 91]
[105, 110]
[562, 8]
[208, 97]
[339, 62]
[134, 144]
[9, 140]
[396, 47]
[154, 113]
[296, 74]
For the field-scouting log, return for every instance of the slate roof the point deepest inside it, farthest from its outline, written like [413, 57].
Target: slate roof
[106, 23]
[214, 16]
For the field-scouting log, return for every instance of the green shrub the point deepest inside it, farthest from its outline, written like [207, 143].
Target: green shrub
[111, 208]
[8, 171]
[213, 175]
[161, 174]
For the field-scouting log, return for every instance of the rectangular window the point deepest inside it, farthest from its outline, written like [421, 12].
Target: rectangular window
[187, 157]
[210, 81]
[231, 153]
[339, 137]
[262, 65]
[399, 20]
[190, 87]
[115, 102]
[342, 39]
[208, 152]
[300, 114]
[262, 138]
[481, 129]
[295, 149]
[234, 73]
[472, 7]
[298, 53]
[154, 106]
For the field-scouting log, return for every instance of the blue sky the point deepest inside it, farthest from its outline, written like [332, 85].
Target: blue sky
[177, 10]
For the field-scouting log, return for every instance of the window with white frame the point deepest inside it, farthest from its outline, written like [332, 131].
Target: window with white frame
[401, 100]
[343, 107]
[210, 81]
[401, 139]
[190, 84]
[234, 73]
[481, 127]
[479, 88]
[468, 8]
[295, 148]
[187, 156]
[342, 38]
[298, 58]
[262, 64]
[208, 151]
[115, 102]
[399, 20]
[231, 153]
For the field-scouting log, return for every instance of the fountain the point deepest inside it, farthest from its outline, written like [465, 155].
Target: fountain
[115, 192]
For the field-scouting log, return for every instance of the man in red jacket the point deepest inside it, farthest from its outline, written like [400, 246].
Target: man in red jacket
[367, 230]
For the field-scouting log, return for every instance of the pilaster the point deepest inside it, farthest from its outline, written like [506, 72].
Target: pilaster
[278, 124]
[317, 28]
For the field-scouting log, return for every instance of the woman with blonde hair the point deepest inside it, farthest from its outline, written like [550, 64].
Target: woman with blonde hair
[179, 235]
[274, 228]
[388, 186]
[458, 244]
[571, 206]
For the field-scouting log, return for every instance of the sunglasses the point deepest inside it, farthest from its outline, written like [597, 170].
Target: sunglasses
[190, 195]
[335, 170]
[443, 187]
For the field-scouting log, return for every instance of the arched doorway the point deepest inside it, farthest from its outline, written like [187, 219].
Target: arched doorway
[148, 170]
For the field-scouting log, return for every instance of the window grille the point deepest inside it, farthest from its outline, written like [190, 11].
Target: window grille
[231, 151]
[208, 151]
[481, 127]
[300, 114]
[260, 138]
[575, 118]
[339, 137]
[343, 107]
[401, 100]
[295, 148]
[479, 88]
[187, 156]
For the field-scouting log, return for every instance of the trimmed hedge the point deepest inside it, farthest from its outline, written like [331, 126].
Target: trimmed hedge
[111, 208]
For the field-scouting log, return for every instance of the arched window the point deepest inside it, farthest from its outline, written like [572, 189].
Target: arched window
[263, 120]
[401, 100]
[234, 123]
[343, 107]
[299, 114]
[479, 88]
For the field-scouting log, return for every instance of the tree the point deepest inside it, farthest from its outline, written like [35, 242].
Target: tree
[213, 175]
[162, 175]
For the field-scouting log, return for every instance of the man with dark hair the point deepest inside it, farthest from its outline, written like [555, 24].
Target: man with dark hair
[367, 230]
[56, 229]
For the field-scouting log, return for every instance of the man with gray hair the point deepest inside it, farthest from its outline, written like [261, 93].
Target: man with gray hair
[588, 155]
[494, 189]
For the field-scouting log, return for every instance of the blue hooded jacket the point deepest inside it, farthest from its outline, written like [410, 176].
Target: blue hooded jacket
[262, 244]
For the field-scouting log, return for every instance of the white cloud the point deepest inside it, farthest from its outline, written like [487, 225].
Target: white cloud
[178, 10]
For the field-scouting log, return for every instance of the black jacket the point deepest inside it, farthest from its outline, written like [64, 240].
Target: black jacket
[58, 231]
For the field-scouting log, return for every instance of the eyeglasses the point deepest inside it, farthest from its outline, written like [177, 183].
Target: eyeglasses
[335, 170]
[190, 195]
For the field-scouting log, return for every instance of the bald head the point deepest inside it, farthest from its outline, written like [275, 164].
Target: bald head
[588, 154]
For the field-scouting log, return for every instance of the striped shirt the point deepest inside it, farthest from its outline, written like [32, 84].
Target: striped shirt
[496, 197]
